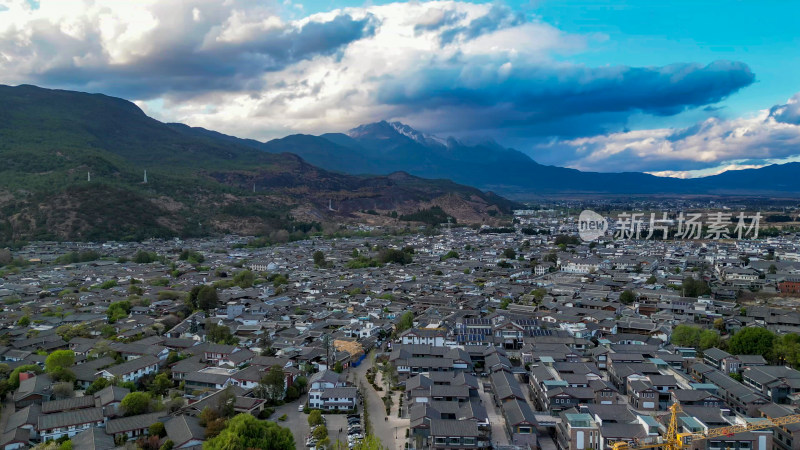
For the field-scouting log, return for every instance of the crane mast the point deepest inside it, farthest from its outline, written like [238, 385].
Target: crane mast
[674, 440]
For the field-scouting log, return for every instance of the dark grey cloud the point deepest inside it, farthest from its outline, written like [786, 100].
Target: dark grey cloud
[552, 100]
[498, 17]
[187, 65]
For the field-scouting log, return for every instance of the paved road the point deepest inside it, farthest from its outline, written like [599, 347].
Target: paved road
[498, 423]
[335, 423]
[296, 421]
[391, 432]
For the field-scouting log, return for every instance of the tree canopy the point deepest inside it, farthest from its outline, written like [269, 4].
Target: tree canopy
[244, 432]
[135, 403]
[406, 321]
[752, 341]
[627, 297]
[203, 297]
[59, 359]
[695, 288]
[694, 336]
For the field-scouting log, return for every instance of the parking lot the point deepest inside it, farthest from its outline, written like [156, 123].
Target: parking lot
[296, 421]
[337, 422]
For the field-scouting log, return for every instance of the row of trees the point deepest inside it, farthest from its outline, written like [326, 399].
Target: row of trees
[777, 349]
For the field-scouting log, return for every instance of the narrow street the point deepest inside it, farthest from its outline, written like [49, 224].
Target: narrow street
[391, 431]
[5, 414]
[498, 423]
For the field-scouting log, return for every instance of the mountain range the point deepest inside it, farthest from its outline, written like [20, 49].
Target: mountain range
[385, 147]
[73, 167]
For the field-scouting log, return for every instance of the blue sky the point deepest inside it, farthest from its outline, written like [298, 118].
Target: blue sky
[674, 88]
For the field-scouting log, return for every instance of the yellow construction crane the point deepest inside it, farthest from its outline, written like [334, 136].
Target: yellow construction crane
[679, 441]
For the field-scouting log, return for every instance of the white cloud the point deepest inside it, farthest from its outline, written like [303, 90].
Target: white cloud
[248, 68]
[710, 147]
[124, 48]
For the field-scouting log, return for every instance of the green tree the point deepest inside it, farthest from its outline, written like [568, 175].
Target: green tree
[787, 350]
[708, 339]
[370, 442]
[695, 288]
[319, 259]
[773, 269]
[62, 374]
[143, 257]
[13, 378]
[292, 394]
[118, 310]
[135, 403]
[449, 255]
[107, 331]
[509, 253]
[504, 303]
[97, 385]
[320, 433]
[220, 334]
[686, 336]
[59, 359]
[391, 255]
[752, 341]
[651, 280]
[244, 432]
[24, 321]
[719, 324]
[315, 418]
[207, 298]
[157, 429]
[300, 383]
[274, 382]
[161, 384]
[406, 321]
[627, 297]
[244, 279]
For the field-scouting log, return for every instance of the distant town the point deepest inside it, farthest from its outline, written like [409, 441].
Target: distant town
[521, 336]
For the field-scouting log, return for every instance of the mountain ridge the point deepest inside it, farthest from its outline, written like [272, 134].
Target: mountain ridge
[383, 147]
[74, 169]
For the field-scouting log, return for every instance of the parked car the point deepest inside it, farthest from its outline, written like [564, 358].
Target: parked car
[301, 407]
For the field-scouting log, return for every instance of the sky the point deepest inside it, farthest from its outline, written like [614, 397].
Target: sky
[680, 88]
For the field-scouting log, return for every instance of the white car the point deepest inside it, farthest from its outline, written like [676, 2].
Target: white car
[301, 407]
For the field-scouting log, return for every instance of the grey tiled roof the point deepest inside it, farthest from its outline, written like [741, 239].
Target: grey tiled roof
[452, 428]
[133, 422]
[93, 439]
[182, 429]
[64, 419]
[67, 404]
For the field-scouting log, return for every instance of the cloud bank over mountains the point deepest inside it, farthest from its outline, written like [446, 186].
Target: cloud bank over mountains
[253, 69]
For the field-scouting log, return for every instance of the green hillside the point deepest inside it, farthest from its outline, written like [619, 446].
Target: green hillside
[198, 182]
